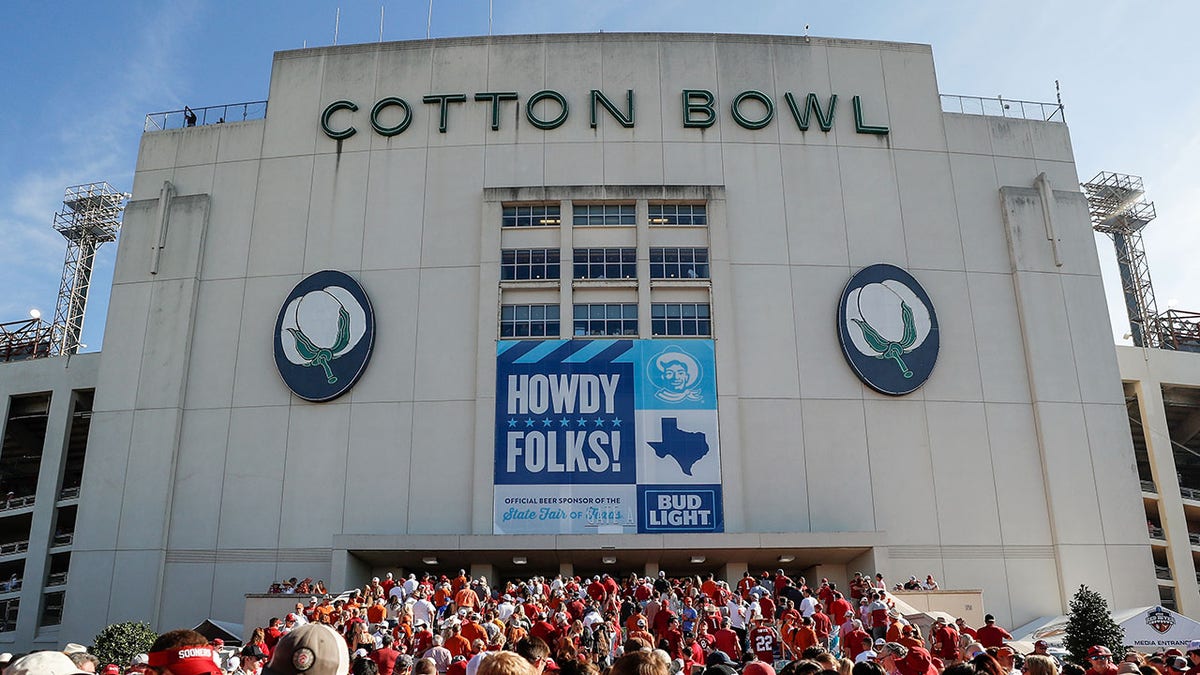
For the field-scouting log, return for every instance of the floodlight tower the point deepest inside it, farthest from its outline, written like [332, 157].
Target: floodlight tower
[1118, 210]
[91, 216]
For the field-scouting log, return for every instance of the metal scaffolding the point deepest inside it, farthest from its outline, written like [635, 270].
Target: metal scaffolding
[91, 216]
[1118, 210]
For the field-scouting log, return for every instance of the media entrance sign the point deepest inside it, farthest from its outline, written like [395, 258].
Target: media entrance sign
[606, 437]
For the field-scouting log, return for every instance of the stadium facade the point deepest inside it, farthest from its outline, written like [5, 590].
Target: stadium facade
[601, 303]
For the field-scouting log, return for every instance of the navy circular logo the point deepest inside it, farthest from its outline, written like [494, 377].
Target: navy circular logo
[888, 329]
[324, 335]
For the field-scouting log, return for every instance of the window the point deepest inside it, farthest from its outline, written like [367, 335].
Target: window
[519, 321]
[604, 214]
[520, 264]
[678, 214]
[685, 319]
[678, 263]
[601, 320]
[534, 215]
[605, 263]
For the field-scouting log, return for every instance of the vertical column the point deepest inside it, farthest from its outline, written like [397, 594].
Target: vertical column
[731, 572]
[484, 570]
[41, 531]
[490, 299]
[651, 570]
[566, 569]
[643, 268]
[566, 301]
[1170, 502]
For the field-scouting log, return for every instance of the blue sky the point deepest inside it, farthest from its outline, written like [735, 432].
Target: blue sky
[79, 77]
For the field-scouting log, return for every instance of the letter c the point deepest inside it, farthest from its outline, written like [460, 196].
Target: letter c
[332, 108]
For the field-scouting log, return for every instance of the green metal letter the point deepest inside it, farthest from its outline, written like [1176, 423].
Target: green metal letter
[384, 103]
[332, 108]
[626, 119]
[444, 100]
[705, 109]
[860, 126]
[496, 97]
[537, 98]
[746, 122]
[812, 105]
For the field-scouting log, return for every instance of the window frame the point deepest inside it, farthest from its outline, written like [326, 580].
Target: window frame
[515, 321]
[673, 214]
[607, 316]
[672, 319]
[625, 214]
[530, 265]
[626, 261]
[530, 215]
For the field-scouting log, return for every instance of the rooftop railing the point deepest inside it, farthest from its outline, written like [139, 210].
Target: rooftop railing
[1003, 107]
[1189, 493]
[1157, 533]
[1148, 486]
[214, 114]
[63, 539]
[69, 493]
[1163, 572]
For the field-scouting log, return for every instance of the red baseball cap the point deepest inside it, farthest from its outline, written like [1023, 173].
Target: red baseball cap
[112, 669]
[758, 668]
[1098, 650]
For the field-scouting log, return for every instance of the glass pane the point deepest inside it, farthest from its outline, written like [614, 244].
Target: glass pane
[612, 311]
[702, 311]
[658, 311]
[506, 313]
[580, 328]
[612, 328]
[552, 328]
[537, 312]
[689, 311]
[629, 311]
[506, 330]
[522, 330]
[689, 327]
[552, 271]
[552, 312]
[656, 271]
[659, 327]
[673, 310]
[537, 329]
[674, 327]
[704, 327]
[581, 312]
[522, 312]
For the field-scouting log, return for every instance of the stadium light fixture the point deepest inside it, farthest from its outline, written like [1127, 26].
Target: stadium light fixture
[786, 558]
[429, 560]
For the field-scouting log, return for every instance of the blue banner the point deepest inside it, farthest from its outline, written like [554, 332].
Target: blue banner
[585, 429]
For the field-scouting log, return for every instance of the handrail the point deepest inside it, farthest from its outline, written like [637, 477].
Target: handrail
[16, 503]
[1163, 572]
[1189, 493]
[1157, 533]
[62, 539]
[1149, 486]
[68, 493]
[14, 547]
[999, 106]
[213, 114]
[56, 579]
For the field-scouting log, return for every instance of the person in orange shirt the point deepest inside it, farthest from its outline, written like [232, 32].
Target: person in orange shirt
[472, 630]
[456, 643]
[377, 612]
[709, 587]
[466, 599]
[895, 629]
[911, 637]
[803, 637]
[458, 582]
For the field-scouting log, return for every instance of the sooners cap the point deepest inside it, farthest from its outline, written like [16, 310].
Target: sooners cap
[112, 669]
[1098, 650]
[311, 649]
[190, 660]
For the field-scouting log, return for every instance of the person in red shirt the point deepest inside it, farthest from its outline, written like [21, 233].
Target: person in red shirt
[852, 641]
[767, 606]
[691, 652]
[764, 639]
[709, 587]
[459, 582]
[991, 635]
[945, 642]
[744, 585]
[273, 633]
[727, 641]
[1099, 656]
[1193, 657]
[839, 607]
[385, 657]
[826, 592]
[823, 625]
[422, 638]
[781, 580]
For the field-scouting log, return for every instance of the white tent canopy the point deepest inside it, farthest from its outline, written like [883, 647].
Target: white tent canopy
[1147, 629]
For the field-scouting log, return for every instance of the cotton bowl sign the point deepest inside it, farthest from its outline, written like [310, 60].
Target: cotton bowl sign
[606, 436]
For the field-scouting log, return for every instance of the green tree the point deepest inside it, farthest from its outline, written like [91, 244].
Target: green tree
[1090, 623]
[119, 642]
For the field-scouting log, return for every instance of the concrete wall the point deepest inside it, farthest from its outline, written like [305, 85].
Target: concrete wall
[996, 475]
[60, 377]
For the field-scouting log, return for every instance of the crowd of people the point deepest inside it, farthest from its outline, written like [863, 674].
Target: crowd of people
[762, 625]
